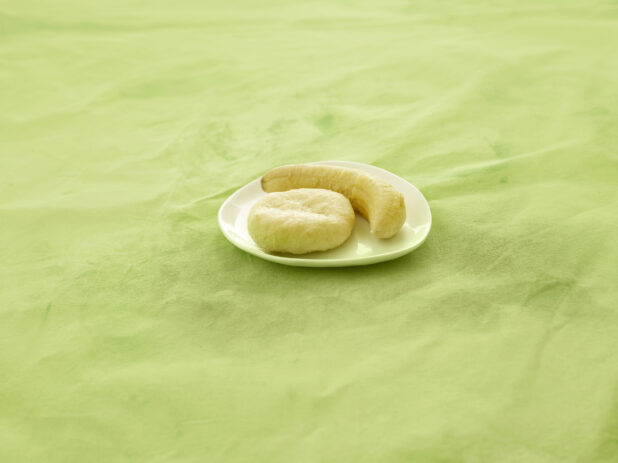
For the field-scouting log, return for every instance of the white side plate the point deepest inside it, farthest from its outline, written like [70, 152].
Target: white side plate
[361, 248]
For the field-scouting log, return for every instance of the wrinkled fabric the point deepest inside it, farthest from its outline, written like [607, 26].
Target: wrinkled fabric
[131, 330]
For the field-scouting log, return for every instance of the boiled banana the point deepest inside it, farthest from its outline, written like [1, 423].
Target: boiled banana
[375, 199]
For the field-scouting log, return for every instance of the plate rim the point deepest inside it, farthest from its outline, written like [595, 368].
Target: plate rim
[332, 262]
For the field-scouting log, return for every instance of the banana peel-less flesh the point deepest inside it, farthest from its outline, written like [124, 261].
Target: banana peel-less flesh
[375, 199]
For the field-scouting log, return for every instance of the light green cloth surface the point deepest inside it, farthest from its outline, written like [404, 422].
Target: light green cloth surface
[131, 330]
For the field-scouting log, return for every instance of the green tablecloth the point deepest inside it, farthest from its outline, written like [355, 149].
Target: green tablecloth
[131, 330]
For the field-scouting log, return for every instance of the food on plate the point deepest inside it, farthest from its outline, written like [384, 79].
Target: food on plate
[375, 199]
[300, 221]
